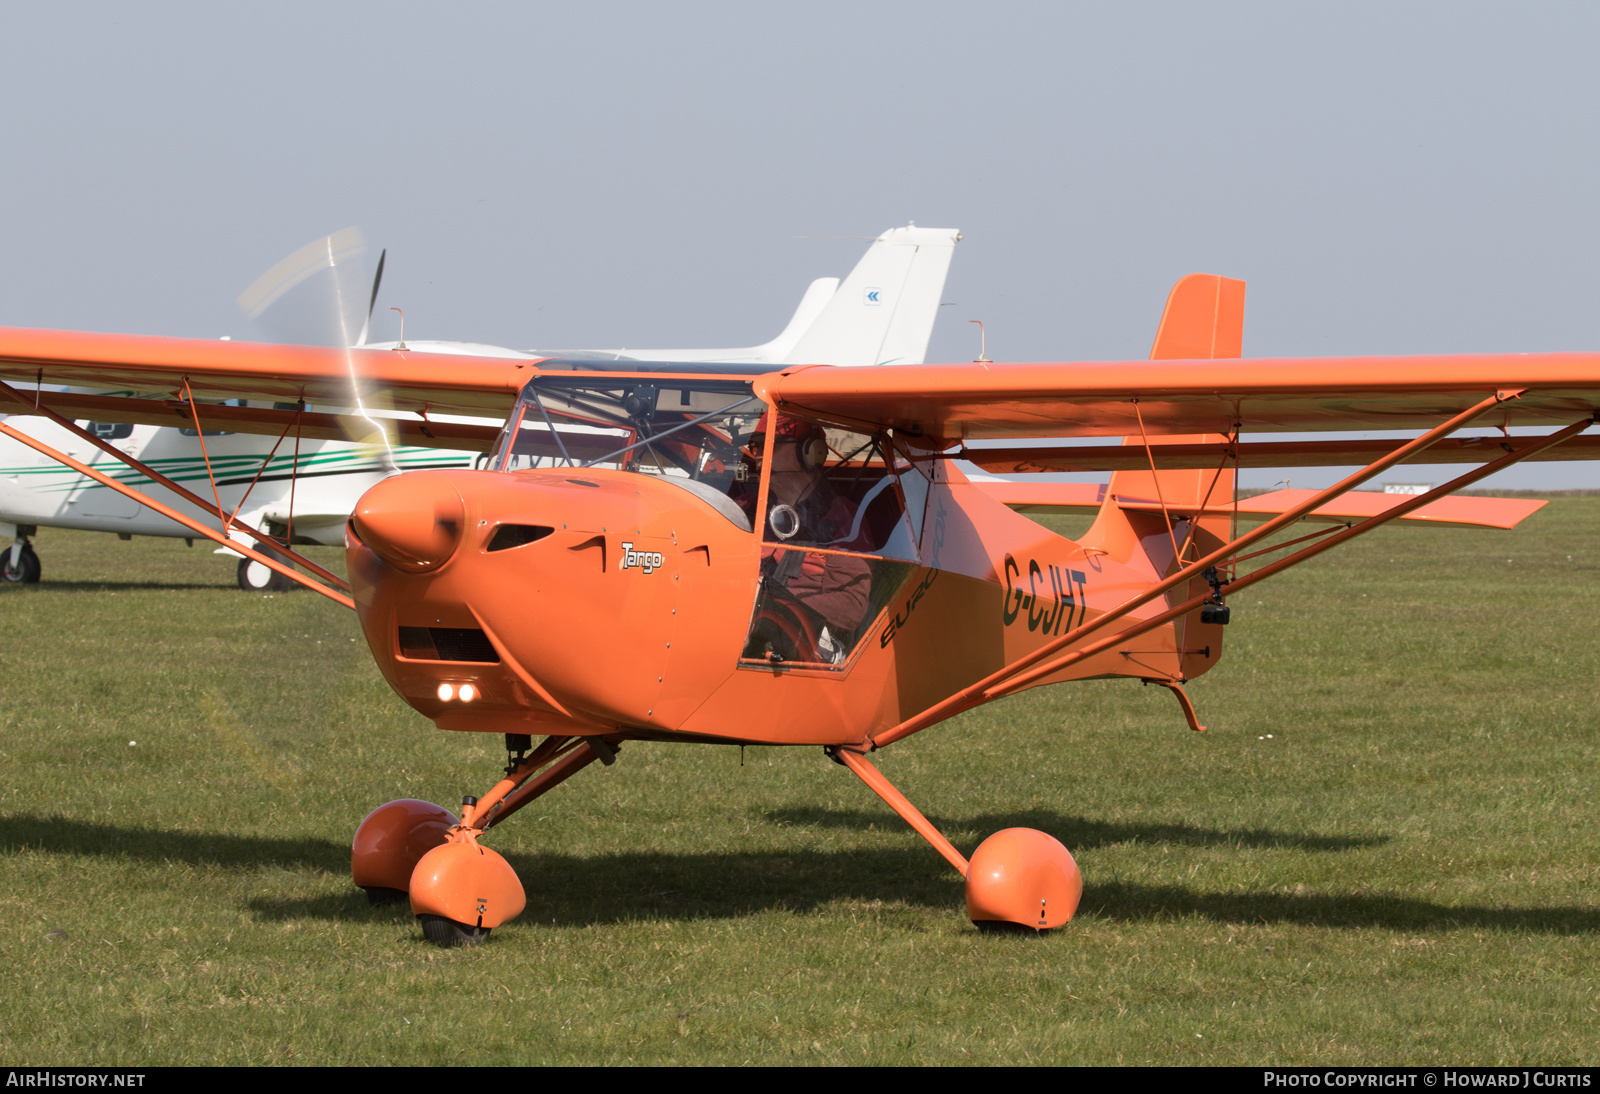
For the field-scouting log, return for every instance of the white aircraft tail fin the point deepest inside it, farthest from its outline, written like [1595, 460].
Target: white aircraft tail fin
[883, 313]
[816, 298]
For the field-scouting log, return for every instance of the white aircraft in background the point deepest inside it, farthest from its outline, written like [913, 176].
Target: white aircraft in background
[303, 492]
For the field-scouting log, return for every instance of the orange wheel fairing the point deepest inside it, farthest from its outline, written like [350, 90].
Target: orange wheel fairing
[393, 839]
[1022, 876]
[469, 884]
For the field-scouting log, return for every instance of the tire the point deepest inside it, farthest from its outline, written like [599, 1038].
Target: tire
[1002, 929]
[253, 577]
[447, 932]
[26, 571]
[377, 895]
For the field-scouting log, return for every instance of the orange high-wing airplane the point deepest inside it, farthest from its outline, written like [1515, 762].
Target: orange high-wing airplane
[740, 555]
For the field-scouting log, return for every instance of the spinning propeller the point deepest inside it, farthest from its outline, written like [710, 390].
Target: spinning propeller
[313, 297]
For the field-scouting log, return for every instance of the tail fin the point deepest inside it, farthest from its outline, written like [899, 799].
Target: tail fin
[883, 313]
[816, 298]
[1204, 318]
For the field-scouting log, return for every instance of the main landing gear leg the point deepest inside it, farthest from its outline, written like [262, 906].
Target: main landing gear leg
[458, 889]
[1019, 877]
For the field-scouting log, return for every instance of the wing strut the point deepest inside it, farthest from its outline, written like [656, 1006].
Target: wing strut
[1028, 669]
[1145, 437]
[155, 476]
[267, 462]
[200, 435]
[1032, 675]
[172, 514]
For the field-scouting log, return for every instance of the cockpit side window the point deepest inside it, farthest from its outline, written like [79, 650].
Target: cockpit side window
[693, 432]
[840, 536]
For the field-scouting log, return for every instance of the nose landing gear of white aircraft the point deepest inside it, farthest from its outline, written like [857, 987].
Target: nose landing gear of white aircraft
[256, 578]
[19, 564]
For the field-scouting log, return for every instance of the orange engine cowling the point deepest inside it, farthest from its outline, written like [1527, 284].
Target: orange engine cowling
[412, 522]
[568, 600]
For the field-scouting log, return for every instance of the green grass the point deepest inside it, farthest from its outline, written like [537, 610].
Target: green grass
[1404, 873]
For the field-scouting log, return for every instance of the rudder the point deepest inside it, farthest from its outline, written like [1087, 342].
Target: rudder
[1203, 319]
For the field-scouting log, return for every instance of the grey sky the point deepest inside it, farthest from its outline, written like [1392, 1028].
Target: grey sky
[1387, 178]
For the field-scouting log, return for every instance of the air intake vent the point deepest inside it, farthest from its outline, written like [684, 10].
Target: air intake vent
[447, 644]
[508, 536]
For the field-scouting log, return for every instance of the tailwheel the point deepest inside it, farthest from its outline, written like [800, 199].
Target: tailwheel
[447, 932]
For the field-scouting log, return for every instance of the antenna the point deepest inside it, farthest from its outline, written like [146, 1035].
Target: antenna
[400, 345]
[983, 356]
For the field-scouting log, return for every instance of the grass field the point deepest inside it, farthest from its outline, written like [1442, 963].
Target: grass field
[1403, 873]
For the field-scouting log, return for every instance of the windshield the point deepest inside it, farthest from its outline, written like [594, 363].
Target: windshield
[690, 431]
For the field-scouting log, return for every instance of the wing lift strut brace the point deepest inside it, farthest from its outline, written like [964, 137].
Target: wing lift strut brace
[339, 587]
[1071, 647]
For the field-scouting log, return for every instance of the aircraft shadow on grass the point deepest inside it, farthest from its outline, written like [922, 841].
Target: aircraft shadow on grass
[574, 890]
[1078, 833]
[116, 587]
[65, 836]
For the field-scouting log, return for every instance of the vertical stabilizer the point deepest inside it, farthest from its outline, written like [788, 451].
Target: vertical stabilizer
[1204, 319]
[816, 298]
[883, 313]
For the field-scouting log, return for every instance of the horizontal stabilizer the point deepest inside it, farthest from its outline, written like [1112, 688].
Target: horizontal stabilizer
[1455, 510]
[1045, 497]
[1321, 452]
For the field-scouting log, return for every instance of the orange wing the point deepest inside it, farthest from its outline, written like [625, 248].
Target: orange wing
[216, 369]
[954, 403]
[946, 403]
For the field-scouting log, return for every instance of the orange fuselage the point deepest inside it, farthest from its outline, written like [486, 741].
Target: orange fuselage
[627, 607]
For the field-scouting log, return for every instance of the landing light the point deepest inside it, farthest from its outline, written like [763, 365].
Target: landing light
[446, 693]
[468, 693]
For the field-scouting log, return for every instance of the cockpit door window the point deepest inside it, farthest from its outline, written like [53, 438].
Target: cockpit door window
[839, 540]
